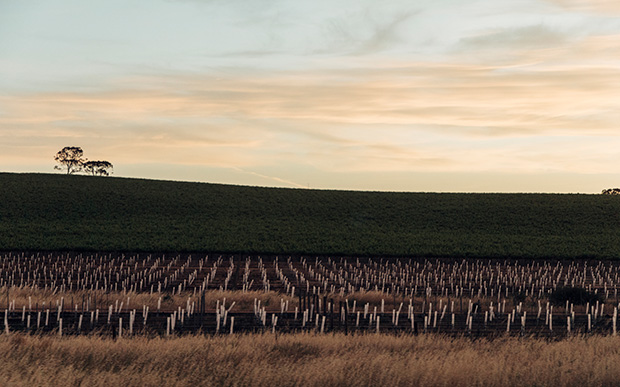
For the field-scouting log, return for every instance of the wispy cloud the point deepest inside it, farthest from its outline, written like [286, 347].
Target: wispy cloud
[519, 38]
[363, 34]
[598, 6]
[272, 178]
[388, 117]
[345, 87]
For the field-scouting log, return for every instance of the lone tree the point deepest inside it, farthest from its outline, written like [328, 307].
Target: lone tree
[70, 158]
[98, 167]
[611, 191]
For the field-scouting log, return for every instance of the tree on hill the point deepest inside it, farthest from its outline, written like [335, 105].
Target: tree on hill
[70, 158]
[98, 167]
[611, 191]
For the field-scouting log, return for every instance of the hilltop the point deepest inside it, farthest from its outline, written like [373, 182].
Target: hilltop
[59, 212]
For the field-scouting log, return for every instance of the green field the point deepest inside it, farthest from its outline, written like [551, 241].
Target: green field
[59, 212]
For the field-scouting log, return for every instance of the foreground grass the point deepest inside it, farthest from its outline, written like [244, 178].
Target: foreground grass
[303, 359]
[57, 212]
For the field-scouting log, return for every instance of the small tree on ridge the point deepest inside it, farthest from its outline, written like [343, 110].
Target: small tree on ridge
[70, 158]
[98, 167]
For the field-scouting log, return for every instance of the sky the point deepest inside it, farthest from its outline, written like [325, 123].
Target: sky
[395, 95]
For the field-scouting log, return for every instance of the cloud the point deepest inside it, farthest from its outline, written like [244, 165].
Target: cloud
[505, 39]
[596, 6]
[272, 178]
[383, 115]
[364, 33]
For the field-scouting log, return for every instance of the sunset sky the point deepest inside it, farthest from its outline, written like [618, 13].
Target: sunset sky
[431, 95]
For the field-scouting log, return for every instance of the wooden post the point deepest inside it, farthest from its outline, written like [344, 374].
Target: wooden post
[346, 318]
[202, 308]
[324, 305]
[316, 303]
[331, 322]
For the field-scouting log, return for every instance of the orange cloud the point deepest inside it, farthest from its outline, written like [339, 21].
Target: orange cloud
[388, 116]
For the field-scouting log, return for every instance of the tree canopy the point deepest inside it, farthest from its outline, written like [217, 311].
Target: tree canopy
[611, 191]
[71, 159]
[100, 168]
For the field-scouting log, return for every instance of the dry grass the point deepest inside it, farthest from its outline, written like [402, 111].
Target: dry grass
[244, 301]
[305, 359]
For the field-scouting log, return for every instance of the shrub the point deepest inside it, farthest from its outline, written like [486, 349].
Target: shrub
[577, 296]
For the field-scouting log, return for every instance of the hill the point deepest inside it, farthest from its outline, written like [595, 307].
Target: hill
[59, 212]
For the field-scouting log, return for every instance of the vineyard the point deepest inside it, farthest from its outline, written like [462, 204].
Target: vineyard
[168, 283]
[178, 294]
[41, 212]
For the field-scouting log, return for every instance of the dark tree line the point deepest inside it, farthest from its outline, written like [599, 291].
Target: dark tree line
[71, 159]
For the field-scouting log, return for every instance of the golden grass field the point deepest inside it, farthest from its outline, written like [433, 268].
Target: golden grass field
[309, 360]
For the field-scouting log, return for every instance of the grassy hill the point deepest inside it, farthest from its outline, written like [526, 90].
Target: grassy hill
[58, 212]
